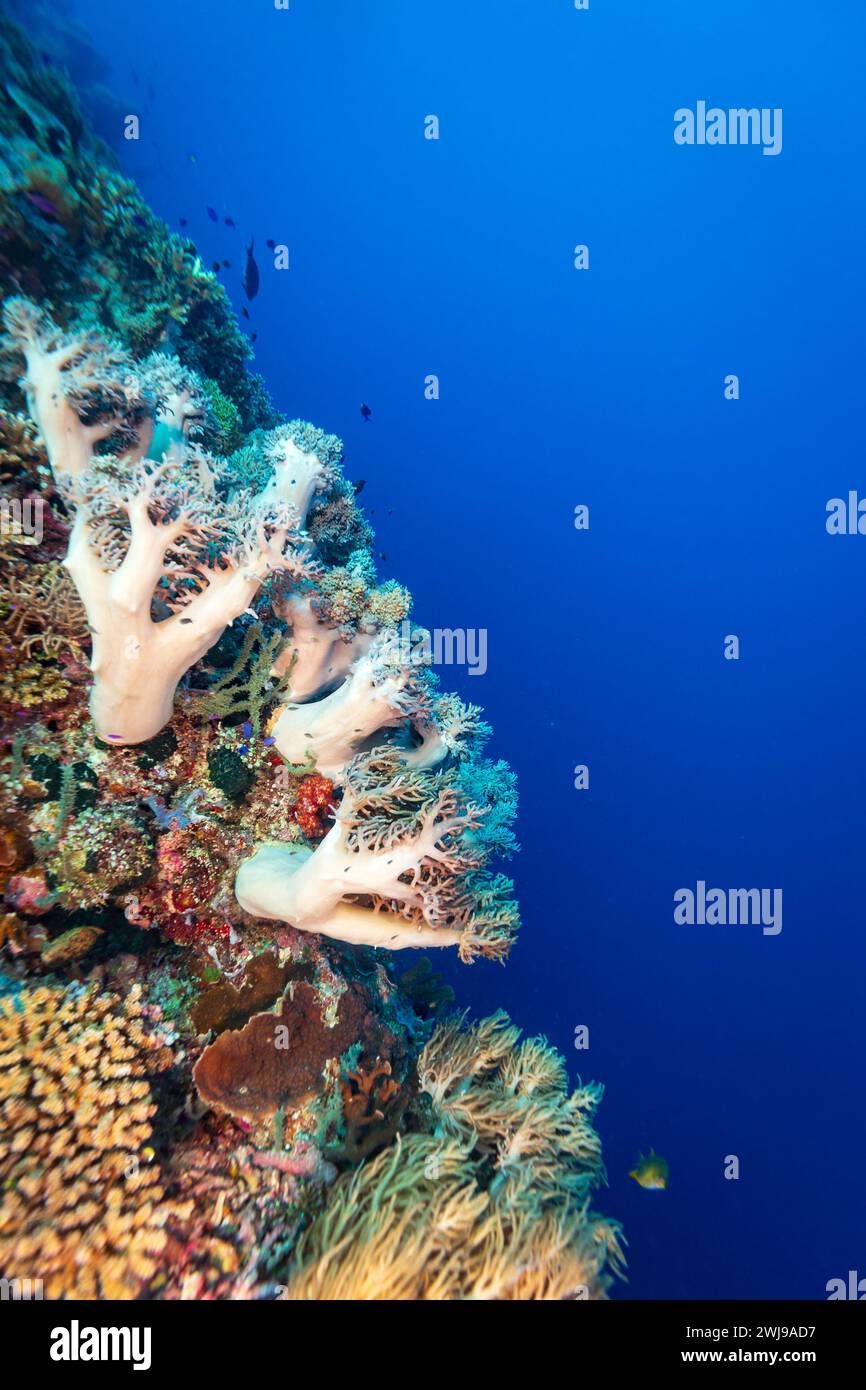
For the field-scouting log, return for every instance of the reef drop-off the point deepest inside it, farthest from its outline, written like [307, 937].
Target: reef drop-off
[228, 804]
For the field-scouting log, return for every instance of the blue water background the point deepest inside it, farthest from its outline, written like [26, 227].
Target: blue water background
[558, 387]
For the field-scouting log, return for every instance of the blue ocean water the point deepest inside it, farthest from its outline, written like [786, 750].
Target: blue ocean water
[604, 387]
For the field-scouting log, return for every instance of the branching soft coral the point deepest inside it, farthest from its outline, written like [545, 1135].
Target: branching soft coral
[369, 680]
[329, 626]
[151, 536]
[161, 563]
[447, 726]
[377, 694]
[81, 389]
[316, 657]
[298, 472]
[400, 867]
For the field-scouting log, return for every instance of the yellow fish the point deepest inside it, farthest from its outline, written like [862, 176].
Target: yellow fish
[652, 1172]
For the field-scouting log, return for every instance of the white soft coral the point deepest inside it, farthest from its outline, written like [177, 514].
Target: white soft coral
[81, 389]
[316, 656]
[307, 889]
[298, 474]
[161, 572]
[400, 867]
[377, 694]
[162, 562]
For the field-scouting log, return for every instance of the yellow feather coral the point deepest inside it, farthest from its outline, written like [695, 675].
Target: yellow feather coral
[493, 1205]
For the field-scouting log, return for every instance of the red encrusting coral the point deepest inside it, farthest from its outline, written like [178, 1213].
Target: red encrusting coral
[312, 804]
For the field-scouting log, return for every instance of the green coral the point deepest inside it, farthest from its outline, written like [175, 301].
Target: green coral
[226, 434]
[246, 688]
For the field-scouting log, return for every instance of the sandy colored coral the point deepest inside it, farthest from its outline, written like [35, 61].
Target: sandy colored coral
[22, 454]
[42, 610]
[83, 1206]
[452, 1214]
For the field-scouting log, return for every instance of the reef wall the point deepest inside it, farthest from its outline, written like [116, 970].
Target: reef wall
[228, 801]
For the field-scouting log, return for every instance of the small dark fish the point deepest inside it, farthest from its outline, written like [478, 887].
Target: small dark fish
[253, 337]
[270, 244]
[229, 221]
[366, 412]
[359, 485]
[43, 204]
[383, 556]
[212, 215]
[139, 220]
[216, 265]
[250, 281]
[183, 222]
[227, 264]
[245, 311]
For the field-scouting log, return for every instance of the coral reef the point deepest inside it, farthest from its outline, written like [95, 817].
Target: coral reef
[403, 865]
[231, 792]
[491, 1203]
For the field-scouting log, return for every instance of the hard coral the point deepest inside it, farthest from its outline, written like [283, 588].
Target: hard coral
[83, 1204]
